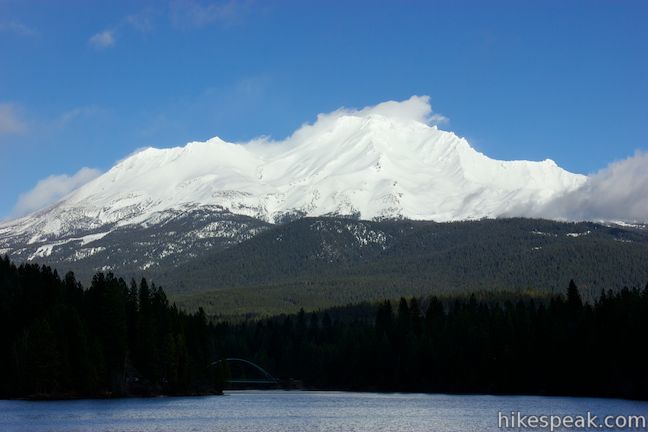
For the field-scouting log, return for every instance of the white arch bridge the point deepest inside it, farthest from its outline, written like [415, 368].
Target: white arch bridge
[262, 377]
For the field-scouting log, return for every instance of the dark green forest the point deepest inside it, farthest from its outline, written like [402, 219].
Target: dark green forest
[550, 346]
[60, 339]
[323, 262]
[253, 267]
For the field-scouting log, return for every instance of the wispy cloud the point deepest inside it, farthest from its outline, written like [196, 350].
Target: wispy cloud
[415, 108]
[157, 125]
[438, 119]
[190, 14]
[618, 192]
[11, 121]
[141, 22]
[104, 39]
[51, 189]
[14, 121]
[16, 28]
[182, 15]
[79, 112]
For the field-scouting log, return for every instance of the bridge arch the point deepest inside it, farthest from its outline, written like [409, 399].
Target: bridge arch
[269, 379]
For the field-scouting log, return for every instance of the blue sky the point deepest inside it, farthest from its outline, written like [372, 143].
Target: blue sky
[83, 84]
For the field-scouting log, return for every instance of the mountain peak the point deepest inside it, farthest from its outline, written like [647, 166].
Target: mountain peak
[387, 160]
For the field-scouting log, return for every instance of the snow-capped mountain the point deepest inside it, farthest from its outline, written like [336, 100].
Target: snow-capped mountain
[385, 161]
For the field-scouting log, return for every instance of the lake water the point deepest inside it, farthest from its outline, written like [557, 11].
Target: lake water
[288, 411]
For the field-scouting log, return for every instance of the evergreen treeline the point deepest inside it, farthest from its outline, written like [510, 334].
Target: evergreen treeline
[59, 339]
[559, 346]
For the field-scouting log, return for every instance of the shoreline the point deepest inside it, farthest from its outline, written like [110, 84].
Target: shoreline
[79, 397]
[107, 396]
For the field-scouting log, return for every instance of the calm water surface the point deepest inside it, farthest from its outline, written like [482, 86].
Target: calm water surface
[289, 411]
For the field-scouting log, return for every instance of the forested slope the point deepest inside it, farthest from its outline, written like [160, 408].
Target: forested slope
[315, 262]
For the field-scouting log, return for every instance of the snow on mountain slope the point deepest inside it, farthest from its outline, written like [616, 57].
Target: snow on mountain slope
[384, 161]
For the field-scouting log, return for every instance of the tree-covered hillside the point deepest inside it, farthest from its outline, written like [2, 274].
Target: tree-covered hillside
[319, 262]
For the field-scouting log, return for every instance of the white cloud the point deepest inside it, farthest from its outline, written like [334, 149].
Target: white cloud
[78, 113]
[415, 108]
[617, 193]
[51, 189]
[16, 28]
[141, 21]
[103, 39]
[10, 121]
[183, 14]
[438, 119]
[186, 14]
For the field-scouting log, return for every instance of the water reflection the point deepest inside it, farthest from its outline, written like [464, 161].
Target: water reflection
[282, 411]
